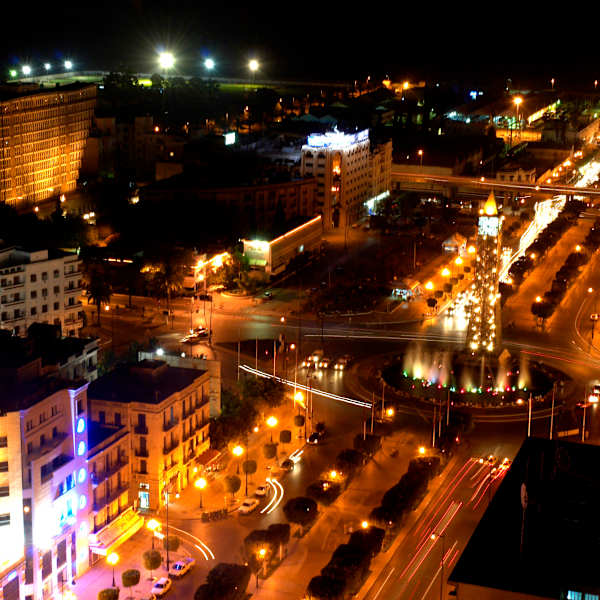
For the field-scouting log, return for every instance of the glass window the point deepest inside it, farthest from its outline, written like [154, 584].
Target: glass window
[571, 595]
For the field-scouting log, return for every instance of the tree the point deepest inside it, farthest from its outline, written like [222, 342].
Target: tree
[152, 560]
[232, 484]
[285, 436]
[258, 550]
[279, 534]
[270, 450]
[542, 310]
[98, 286]
[299, 420]
[369, 540]
[225, 582]
[130, 578]
[323, 587]
[173, 543]
[349, 460]
[369, 444]
[109, 594]
[301, 511]
[324, 492]
[249, 467]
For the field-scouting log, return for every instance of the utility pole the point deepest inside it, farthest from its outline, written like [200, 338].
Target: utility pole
[274, 355]
[552, 411]
[529, 418]
[382, 399]
[238, 365]
[434, 419]
[448, 410]
[372, 411]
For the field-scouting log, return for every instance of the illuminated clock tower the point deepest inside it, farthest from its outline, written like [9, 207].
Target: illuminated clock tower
[483, 334]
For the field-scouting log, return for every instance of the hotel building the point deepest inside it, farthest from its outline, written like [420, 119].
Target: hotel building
[40, 286]
[348, 171]
[42, 137]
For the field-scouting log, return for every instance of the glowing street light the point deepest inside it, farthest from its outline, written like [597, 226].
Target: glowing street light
[365, 524]
[113, 559]
[389, 412]
[333, 474]
[429, 285]
[153, 525]
[166, 60]
[471, 249]
[272, 422]
[421, 450]
[13, 73]
[445, 272]
[253, 65]
[200, 484]
[209, 64]
[26, 70]
[458, 261]
[590, 290]
[47, 66]
[68, 64]
[237, 450]
[538, 299]
[578, 248]
[420, 153]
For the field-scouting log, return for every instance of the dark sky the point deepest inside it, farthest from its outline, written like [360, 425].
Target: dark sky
[320, 39]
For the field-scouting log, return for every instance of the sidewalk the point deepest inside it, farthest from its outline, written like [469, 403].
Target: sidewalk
[308, 555]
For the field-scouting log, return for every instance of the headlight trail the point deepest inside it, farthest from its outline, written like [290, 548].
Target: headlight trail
[299, 386]
[206, 551]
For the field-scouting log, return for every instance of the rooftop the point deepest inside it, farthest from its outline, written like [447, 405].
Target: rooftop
[561, 525]
[11, 91]
[149, 381]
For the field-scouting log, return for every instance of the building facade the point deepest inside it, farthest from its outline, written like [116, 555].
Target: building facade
[167, 410]
[42, 138]
[275, 255]
[44, 495]
[341, 164]
[41, 286]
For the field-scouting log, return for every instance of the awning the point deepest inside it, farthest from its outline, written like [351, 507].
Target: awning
[208, 456]
[115, 533]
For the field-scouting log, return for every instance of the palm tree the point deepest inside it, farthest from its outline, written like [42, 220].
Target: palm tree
[167, 273]
[98, 287]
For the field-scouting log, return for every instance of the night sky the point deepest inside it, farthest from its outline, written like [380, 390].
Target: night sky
[310, 39]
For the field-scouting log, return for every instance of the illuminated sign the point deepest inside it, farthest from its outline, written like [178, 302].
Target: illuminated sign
[337, 139]
[229, 138]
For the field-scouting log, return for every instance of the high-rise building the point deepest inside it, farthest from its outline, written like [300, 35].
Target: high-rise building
[44, 484]
[351, 174]
[42, 137]
[41, 286]
[483, 332]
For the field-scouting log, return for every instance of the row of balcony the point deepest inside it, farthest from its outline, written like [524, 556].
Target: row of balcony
[100, 503]
[98, 477]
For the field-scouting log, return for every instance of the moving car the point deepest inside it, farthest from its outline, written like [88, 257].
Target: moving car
[196, 334]
[161, 586]
[248, 505]
[315, 437]
[181, 567]
[262, 490]
[324, 362]
[342, 363]
[287, 465]
[313, 359]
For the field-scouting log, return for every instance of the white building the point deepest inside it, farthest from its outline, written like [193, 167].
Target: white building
[341, 164]
[275, 255]
[351, 175]
[40, 286]
[44, 483]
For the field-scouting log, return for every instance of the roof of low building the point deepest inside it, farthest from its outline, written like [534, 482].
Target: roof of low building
[551, 546]
[149, 381]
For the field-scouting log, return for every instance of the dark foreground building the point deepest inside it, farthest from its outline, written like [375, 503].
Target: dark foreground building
[540, 536]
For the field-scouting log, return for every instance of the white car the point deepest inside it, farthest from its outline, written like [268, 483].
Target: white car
[262, 490]
[181, 567]
[162, 586]
[248, 505]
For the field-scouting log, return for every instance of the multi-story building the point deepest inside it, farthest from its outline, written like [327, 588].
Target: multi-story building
[40, 286]
[42, 137]
[340, 162]
[167, 410]
[352, 176]
[44, 487]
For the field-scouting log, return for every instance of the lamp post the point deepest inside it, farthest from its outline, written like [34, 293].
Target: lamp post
[237, 451]
[420, 153]
[113, 559]
[166, 60]
[442, 536]
[200, 484]
[272, 422]
[153, 525]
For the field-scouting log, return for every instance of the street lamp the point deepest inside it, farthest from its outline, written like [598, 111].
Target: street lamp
[333, 474]
[578, 248]
[153, 525]
[47, 66]
[429, 285]
[253, 65]
[209, 64]
[200, 484]
[420, 153]
[365, 524]
[421, 450]
[538, 299]
[26, 70]
[113, 559]
[445, 272]
[272, 422]
[166, 60]
[68, 65]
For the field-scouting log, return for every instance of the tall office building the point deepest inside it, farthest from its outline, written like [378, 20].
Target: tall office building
[351, 174]
[42, 137]
[40, 286]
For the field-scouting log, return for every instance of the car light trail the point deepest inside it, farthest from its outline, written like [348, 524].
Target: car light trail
[277, 496]
[442, 563]
[299, 386]
[206, 551]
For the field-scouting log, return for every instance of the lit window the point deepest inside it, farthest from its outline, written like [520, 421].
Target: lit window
[571, 595]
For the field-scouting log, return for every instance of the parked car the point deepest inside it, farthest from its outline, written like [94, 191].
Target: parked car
[287, 465]
[262, 490]
[206, 297]
[161, 586]
[248, 505]
[181, 567]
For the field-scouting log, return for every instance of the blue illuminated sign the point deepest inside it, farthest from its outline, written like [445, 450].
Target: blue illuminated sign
[81, 449]
[80, 425]
[82, 475]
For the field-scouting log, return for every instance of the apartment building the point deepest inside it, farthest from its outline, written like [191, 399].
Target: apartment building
[380, 167]
[43, 133]
[44, 507]
[166, 409]
[40, 286]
